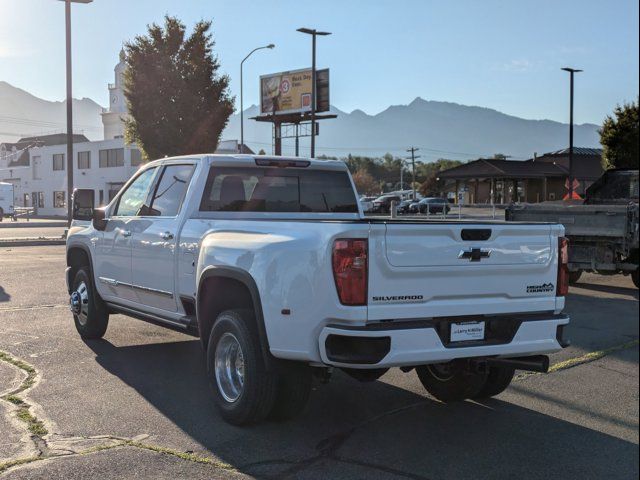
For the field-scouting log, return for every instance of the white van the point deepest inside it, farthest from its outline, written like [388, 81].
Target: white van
[6, 200]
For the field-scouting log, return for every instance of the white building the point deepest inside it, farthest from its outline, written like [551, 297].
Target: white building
[37, 165]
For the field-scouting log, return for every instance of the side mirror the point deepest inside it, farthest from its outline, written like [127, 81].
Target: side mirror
[99, 219]
[82, 204]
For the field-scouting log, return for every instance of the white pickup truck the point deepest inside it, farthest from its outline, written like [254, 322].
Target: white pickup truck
[271, 262]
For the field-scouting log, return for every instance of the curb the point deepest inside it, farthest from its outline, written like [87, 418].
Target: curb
[31, 242]
[51, 224]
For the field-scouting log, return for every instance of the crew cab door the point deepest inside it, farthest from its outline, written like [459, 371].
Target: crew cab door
[113, 261]
[155, 236]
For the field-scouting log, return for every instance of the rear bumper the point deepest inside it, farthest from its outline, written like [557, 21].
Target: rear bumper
[396, 344]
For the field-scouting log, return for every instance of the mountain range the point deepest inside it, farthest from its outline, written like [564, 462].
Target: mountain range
[439, 129]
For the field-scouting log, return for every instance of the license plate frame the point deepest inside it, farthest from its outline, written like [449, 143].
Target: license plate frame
[470, 331]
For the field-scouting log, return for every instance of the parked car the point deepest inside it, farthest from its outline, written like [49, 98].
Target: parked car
[6, 200]
[270, 262]
[383, 204]
[403, 207]
[367, 203]
[431, 205]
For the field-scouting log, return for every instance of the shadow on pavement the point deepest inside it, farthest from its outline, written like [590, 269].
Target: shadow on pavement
[4, 296]
[369, 426]
[616, 290]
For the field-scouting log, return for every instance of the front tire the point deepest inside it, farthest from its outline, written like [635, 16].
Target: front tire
[90, 314]
[452, 381]
[634, 278]
[243, 389]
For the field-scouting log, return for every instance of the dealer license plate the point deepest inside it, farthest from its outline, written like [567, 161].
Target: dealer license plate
[461, 332]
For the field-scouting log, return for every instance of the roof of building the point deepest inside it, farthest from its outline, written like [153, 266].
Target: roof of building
[576, 151]
[21, 157]
[553, 164]
[493, 168]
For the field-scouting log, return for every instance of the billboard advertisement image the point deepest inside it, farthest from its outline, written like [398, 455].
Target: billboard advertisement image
[290, 92]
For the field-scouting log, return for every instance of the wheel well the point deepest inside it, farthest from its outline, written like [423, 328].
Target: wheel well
[217, 294]
[77, 258]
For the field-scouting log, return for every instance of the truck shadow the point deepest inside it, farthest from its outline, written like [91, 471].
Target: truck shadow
[368, 430]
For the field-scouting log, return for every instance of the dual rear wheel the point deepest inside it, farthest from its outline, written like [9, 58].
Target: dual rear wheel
[245, 390]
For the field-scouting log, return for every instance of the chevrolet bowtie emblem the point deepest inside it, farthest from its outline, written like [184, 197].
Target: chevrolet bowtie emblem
[474, 254]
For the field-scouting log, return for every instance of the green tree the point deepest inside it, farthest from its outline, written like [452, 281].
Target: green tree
[178, 102]
[262, 152]
[619, 137]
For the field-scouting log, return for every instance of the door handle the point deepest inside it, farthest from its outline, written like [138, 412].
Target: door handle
[166, 236]
[126, 233]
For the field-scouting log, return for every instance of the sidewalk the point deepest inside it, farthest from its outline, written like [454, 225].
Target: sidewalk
[33, 223]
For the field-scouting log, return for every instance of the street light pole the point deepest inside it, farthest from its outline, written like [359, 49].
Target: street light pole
[314, 33]
[571, 175]
[67, 22]
[241, 146]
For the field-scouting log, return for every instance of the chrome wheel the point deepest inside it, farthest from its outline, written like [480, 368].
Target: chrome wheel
[79, 303]
[229, 367]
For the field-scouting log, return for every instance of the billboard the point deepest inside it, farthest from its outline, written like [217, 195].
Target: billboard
[290, 92]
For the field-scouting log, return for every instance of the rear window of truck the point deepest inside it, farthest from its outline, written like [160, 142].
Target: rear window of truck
[231, 189]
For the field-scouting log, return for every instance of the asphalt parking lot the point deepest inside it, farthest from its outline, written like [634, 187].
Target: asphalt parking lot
[136, 404]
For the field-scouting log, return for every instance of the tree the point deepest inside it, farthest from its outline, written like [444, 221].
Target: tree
[262, 152]
[619, 138]
[178, 102]
[365, 183]
[428, 174]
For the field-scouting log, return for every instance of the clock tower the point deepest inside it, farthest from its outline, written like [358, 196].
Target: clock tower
[113, 116]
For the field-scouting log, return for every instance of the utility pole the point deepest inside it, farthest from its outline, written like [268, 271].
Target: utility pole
[413, 151]
[571, 176]
[67, 24]
[314, 33]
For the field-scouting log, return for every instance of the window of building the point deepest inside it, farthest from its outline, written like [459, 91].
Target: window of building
[58, 161]
[35, 167]
[136, 157]
[40, 199]
[170, 191]
[59, 200]
[101, 198]
[112, 157]
[84, 160]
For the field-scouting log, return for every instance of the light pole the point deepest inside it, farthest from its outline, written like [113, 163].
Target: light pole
[571, 72]
[413, 151]
[314, 33]
[67, 20]
[270, 46]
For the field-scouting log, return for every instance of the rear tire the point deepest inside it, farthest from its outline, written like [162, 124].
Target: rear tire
[634, 277]
[91, 316]
[574, 277]
[498, 379]
[452, 381]
[292, 391]
[243, 389]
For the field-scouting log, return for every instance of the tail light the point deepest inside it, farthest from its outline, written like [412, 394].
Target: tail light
[562, 286]
[349, 262]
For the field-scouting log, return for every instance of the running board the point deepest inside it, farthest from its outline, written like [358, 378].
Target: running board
[185, 324]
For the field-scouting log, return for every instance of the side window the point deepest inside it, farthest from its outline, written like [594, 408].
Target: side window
[171, 190]
[133, 198]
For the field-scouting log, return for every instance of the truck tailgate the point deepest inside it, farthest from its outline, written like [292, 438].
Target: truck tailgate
[425, 270]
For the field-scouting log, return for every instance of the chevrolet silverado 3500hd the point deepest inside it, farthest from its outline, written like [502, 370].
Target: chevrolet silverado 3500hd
[271, 262]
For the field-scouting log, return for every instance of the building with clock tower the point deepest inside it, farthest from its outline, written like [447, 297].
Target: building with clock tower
[113, 117]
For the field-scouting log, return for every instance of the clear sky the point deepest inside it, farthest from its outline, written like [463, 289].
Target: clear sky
[499, 54]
